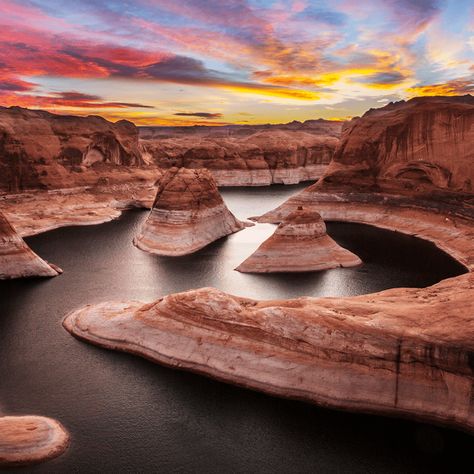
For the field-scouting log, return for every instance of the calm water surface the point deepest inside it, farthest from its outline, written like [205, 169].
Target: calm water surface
[128, 415]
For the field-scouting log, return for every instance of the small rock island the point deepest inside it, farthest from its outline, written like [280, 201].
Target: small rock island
[188, 213]
[299, 244]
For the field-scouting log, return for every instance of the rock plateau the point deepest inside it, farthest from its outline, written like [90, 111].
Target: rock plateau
[188, 213]
[299, 244]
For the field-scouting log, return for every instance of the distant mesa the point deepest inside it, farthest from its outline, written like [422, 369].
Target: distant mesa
[299, 244]
[246, 155]
[17, 260]
[188, 213]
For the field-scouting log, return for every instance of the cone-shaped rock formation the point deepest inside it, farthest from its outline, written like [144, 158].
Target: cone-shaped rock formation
[299, 244]
[188, 213]
[17, 260]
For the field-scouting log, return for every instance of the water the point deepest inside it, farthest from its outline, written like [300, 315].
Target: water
[128, 415]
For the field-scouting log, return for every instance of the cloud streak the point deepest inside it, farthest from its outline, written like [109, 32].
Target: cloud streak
[57, 54]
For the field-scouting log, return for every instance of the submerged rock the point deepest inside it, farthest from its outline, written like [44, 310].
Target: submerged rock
[17, 260]
[299, 244]
[188, 213]
[30, 439]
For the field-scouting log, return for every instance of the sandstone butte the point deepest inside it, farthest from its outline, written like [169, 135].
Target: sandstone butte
[299, 244]
[401, 352]
[17, 260]
[30, 439]
[188, 213]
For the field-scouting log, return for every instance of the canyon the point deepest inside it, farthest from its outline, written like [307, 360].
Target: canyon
[402, 352]
[247, 155]
[407, 167]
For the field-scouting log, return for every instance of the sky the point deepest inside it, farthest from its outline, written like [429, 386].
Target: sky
[214, 62]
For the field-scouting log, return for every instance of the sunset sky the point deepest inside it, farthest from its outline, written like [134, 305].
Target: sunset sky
[168, 62]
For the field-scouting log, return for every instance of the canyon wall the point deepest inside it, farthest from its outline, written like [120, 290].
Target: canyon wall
[423, 144]
[40, 150]
[259, 155]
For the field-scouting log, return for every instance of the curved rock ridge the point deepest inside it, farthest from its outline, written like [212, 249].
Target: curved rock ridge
[401, 352]
[17, 260]
[188, 213]
[30, 439]
[414, 147]
[261, 158]
[299, 244]
[41, 150]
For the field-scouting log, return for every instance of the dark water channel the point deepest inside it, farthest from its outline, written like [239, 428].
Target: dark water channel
[129, 415]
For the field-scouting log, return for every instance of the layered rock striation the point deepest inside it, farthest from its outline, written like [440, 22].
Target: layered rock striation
[30, 439]
[299, 244]
[420, 146]
[261, 158]
[188, 213]
[40, 150]
[17, 260]
[401, 352]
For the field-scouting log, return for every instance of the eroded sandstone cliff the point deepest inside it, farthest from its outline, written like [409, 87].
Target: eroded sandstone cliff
[40, 150]
[421, 145]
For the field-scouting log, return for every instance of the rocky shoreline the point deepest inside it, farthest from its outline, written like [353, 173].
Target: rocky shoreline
[401, 352]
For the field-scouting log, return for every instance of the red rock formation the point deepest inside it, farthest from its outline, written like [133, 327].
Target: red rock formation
[262, 158]
[402, 352]
[416, 146]
[17, 260]
[299, 244]
[188, 213]
[408, 154]
[30, 439]
[43, 150]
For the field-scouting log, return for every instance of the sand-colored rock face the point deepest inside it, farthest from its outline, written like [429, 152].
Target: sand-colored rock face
[299, 244]
[30, 439]
[404, 352]
[415, 146]
[188, 213]
[17, 260]
[261, 158]
[43, 150]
